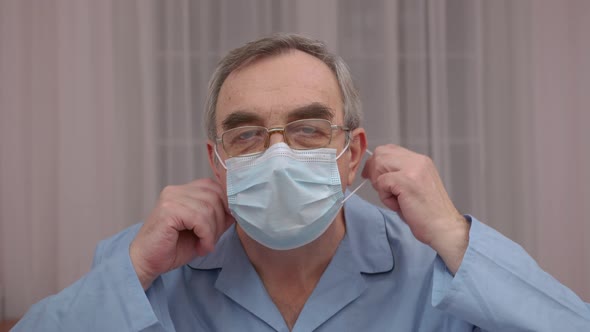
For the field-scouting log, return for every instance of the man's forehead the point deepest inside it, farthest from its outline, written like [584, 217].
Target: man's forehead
[280, 88]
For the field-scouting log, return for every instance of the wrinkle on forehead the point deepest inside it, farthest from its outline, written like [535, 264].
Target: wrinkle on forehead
[273, 86]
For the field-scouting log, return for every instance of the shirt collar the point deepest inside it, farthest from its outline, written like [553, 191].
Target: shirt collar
[366, 238]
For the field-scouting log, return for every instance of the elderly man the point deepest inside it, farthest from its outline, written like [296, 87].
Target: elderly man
[276, 243]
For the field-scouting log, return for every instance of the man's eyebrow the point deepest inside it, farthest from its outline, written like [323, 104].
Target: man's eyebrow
[311, 111]
[241, 118]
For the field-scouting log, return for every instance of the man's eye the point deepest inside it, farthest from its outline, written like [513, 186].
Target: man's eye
[247, 135]
[307, 130]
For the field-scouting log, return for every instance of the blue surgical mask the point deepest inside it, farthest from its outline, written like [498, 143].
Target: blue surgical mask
[285, 198]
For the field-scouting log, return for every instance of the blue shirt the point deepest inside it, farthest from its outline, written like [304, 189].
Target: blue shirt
[380, 279]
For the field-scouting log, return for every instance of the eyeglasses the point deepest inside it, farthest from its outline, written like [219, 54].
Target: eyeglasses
[299, 135]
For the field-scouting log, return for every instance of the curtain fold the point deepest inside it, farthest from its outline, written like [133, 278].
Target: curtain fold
[101, 103]
[75, 112]
[560, 84]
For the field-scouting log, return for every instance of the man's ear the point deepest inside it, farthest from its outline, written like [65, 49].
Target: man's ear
[213, 161]
[358, 145]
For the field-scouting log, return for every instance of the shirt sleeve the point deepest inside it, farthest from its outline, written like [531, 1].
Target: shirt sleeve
[499, 287]
[109, 298]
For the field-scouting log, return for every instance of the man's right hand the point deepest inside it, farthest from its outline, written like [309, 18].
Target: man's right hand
[186, 222]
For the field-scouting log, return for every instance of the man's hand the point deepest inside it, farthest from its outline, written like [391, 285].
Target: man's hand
[187, 221]
[409, 184]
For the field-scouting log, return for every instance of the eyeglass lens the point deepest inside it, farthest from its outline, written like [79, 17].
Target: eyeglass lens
[300, 134]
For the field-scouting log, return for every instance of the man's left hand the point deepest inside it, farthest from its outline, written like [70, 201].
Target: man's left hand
[409, 184]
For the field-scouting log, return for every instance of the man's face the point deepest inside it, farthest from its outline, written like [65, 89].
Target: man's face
[276, 90]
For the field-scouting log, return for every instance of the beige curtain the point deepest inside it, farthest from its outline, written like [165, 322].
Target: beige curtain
[77, 138]
[560, 128]
[101, 106]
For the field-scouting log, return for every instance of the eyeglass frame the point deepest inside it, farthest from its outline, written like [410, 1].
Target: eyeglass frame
[281, 130]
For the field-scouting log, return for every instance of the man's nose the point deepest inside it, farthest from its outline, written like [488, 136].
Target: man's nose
[273, 139]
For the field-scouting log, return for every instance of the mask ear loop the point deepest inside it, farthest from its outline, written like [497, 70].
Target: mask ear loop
[343, 150]
[360, 185]
[218, 157]
[346, 146]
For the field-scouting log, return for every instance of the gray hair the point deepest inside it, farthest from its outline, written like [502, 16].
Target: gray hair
[274, 45]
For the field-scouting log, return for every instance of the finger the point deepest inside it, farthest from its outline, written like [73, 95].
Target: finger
[202, 216]
[221, 223]
[202, 227]
[202, 202]
[390, 201]
[383, 161]
[394, 183]
[223, 217]
[206, 183]
[366, 173]
[375, 166]
[393, 149]
[212, 185]
[182, 218]
[207, 238]
[210, 201]
[229, 220]
[386, 186]
[210, 191]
